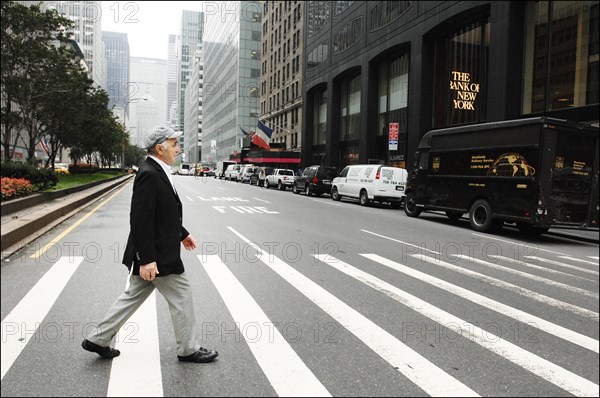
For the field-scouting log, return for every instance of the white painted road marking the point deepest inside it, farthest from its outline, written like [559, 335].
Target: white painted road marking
[137, 371]
[19, 325]
[286, 372]
[433, 380]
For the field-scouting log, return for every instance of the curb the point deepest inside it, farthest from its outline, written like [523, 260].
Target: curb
[16, 234]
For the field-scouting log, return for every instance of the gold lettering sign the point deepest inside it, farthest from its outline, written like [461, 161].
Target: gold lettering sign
[466, 91]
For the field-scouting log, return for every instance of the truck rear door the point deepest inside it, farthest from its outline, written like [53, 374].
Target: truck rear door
[572, 176]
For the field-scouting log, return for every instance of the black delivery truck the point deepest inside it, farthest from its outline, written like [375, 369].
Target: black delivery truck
[537, 173]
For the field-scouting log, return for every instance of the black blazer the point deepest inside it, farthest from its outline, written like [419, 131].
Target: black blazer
[156, 222]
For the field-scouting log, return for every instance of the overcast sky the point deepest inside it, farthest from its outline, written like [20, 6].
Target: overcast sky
[147, 23]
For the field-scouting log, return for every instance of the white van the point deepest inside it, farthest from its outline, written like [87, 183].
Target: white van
[370, 182]
[245, 171]
[232, 172]
[221, 167]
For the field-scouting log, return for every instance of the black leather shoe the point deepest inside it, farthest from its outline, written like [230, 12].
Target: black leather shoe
[104, 352]
[200, 356]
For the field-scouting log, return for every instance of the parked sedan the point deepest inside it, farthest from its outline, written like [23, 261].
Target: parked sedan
[315, 180]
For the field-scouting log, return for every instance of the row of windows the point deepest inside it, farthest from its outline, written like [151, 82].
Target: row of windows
[290, 93]
[563, 75]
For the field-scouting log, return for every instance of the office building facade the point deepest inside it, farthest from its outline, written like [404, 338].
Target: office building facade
[383, 73]
[147, 97]
[190, 40]
[282, 71]
[118, 82]
[232, 62]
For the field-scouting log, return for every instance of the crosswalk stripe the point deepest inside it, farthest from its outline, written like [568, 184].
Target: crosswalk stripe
[565, 265]
[138, 372]
[28, 314]
[555, 374]
[537, 267]
[488, 236]
[433, 380]
[579, 260]
[286, 372]
[549, 327]
[529, 276]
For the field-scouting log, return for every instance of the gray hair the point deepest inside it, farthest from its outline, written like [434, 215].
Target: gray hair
[152, 150]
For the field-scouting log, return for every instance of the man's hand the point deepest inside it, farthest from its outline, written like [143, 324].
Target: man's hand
[189, 243]
[148, 271]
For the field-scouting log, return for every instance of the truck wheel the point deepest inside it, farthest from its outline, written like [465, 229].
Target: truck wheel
[335, 194]
[364, 198]
[454, 215]
[480, 216]
[529, 229]
[410, 205]
[280, 186]
[266, 183]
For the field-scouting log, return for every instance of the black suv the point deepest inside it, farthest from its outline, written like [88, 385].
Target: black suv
[315, 180]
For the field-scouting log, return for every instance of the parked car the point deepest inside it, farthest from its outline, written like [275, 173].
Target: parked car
[232, 172]
[315, 180]
[282, 178]
[262, 174]
[61, 168]
[245, 172]
[370, 182]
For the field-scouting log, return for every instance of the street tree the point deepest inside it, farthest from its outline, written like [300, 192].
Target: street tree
[29, 46]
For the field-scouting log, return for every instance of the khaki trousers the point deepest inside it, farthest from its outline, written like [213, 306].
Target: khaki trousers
[175, 289]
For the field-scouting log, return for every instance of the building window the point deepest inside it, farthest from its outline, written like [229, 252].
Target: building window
[393, 108]
[318, 16]
[318, 55]
[350, 108]
[561, 55]
[320, 118]
[341, 6]
[461, 75]
[347, 36]
[385, 12]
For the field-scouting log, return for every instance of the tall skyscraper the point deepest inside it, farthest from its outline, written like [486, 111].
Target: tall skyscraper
[172, 82]
[192, 133]
[148, 97]
[118, 84]
[231, 78]
[190, 40]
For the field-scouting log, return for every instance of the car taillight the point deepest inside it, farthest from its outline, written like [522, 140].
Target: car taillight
[315, 180]
[377, 175]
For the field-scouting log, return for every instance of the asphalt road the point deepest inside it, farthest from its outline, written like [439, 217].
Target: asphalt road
[307, 296]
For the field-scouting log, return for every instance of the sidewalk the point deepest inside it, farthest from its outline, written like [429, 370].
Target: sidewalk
[26, 224]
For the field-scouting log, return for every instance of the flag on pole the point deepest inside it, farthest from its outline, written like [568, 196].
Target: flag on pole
[262, 137]
[44, 145]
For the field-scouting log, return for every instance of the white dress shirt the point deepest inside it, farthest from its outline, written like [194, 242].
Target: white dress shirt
[166, 168]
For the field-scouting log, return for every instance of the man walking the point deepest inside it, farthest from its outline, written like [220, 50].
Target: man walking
[153, 256]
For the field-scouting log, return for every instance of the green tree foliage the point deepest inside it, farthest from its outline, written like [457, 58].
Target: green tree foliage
[46, 93]
[134, 155]
[28, 41]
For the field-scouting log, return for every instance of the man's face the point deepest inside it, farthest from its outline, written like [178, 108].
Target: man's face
[168, 155]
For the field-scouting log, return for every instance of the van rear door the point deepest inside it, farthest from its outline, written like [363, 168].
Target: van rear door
[572, 176]
[391, 182]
